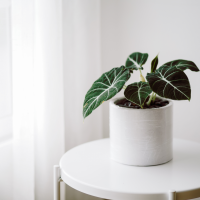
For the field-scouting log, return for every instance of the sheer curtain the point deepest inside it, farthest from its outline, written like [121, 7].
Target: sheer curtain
[22, 18]
[82, 65]
[56, 57]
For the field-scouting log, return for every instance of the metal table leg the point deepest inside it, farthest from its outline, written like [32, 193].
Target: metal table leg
[56, 182]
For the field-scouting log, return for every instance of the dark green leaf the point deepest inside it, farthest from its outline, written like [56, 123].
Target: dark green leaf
[154, 64]
[136, 60]
[171, 83]
[137, 92]
[104, 88]
[182, 65]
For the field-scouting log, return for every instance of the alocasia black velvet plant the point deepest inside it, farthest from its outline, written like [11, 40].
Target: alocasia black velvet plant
[168, 81]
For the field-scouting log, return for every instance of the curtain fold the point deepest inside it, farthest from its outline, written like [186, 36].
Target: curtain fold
[22, 18]
[49, 94]
[38, 96]
[56, 57]
[82, 66]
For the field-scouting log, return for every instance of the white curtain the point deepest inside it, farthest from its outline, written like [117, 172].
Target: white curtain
[82, 65]
[56, 57]
[22, 18]
[48, 92]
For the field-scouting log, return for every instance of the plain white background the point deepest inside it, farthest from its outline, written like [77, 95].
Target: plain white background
[69, 44]
[170, 28]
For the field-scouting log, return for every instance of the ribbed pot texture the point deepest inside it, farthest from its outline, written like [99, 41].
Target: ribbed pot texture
[141, 137]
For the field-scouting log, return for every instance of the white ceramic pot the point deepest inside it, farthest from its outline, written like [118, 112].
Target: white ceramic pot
[141, 137]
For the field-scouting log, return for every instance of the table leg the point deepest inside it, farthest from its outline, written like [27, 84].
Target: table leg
[172, 195]
[56, 182]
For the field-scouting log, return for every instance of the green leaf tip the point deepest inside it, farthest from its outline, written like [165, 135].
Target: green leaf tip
[182, 65]
[154, 64]
[170, 82]
[136, 60]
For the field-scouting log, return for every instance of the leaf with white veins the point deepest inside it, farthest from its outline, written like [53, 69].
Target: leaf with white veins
[136, 60]
[170, 82]
[182, 65]
[137, 92]
[104, 88]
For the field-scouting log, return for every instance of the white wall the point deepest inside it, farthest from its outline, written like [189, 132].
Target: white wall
[170, 28]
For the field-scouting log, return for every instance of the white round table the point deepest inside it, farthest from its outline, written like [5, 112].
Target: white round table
[89, 169]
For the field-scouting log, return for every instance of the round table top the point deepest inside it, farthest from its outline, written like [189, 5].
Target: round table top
[89, 169]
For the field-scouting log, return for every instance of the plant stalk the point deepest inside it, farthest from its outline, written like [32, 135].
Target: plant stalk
[141, 76]
[154, 97]
[150, 99]
[124, 87]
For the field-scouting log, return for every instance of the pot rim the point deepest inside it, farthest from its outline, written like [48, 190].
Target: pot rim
[113, 100]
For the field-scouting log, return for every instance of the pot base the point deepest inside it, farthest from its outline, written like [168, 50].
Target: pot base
[140, 165]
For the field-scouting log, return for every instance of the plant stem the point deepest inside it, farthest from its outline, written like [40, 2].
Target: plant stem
[154, 97]
[151, 97]
[124, 87]
[141, 76]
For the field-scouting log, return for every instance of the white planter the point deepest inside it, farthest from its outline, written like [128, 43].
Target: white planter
[141, 137]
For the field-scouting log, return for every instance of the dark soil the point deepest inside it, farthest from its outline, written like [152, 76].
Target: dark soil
[156, 104]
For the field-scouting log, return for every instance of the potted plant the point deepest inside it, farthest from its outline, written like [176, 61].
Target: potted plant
[141, 122]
